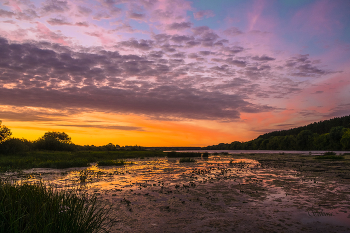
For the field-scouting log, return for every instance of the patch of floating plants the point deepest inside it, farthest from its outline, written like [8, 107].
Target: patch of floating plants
[216, 193]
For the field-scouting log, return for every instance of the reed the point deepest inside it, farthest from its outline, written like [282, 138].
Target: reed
[36, 208]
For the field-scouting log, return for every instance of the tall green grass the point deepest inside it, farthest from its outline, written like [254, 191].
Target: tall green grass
[36, 208]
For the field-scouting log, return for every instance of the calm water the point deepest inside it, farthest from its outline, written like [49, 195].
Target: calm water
[210, 195]
[265, 152]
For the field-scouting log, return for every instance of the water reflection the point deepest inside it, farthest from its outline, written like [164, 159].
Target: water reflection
[215, 193]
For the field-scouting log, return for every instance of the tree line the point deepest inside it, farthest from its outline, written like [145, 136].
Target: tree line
[50, 141]
[333, 134]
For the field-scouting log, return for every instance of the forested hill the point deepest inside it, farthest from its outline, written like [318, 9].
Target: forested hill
[333, 134]
[320, 127]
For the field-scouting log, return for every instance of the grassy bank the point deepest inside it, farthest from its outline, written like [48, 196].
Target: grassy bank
[65, 159]
[36, 208]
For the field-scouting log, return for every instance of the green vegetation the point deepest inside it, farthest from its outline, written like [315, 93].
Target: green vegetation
[36, 208]
[111, 163]
[333, 157]
[55, 150]
[187, 160]
[333, 134]
[65, 159]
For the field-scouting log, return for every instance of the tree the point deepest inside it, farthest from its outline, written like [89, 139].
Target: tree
[335, 135]
[59, 136]
[345, 140]
[58, 141]
[4, 132]
[305, 140]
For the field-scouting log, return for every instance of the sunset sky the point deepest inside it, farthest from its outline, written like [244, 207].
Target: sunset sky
[171, 72]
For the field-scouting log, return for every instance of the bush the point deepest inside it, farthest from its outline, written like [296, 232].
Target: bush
[15, 146]
[37, 208]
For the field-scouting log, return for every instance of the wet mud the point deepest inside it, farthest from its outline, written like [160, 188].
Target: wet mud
[240, 193]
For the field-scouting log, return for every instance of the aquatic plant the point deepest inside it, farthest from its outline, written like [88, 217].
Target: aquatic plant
[37, 208]
[205, 155]
[111, 163]
[185, 160]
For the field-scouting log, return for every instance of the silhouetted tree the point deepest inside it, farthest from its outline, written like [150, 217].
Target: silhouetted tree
[4, 132]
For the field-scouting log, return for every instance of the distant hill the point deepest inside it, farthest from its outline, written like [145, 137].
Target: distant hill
[333, 134]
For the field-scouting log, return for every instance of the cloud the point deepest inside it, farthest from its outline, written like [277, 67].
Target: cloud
[53, 76]
[114, 127]
[142, 44]
[201, 14]
[6, 14]
[180, 26]
[302, 66]
[55, 6]
[232, 31]
[136, 16]
[55, 21]
[263, 58]
[84, 10]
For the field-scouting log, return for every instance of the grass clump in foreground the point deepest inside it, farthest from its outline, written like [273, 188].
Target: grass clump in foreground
[36, 208]
[111, 163]
[186, 160]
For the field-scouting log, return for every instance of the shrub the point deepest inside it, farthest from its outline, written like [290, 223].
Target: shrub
[15, 146]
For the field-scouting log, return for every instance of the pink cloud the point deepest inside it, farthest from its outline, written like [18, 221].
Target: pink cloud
[201, 14]
[46, 33]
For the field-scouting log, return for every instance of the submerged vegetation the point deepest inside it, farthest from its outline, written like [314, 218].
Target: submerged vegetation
[37, 208]
[333, 134]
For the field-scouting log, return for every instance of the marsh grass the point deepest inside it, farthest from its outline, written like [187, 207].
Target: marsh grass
[186, 160]
[36, 208]
[66, 159]
[333, 157]
[111, 163]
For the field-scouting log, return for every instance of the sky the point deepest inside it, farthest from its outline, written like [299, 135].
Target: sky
[171, 72]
